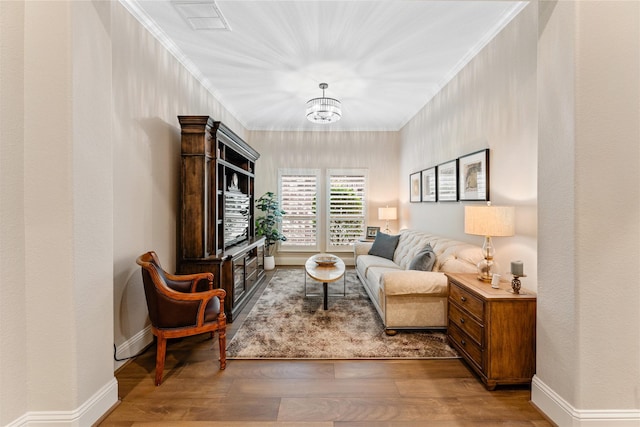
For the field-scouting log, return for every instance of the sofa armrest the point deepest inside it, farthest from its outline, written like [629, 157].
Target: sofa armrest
[361, 248]
[407, 282]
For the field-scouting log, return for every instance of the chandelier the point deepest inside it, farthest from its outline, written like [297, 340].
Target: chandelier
[323, 110]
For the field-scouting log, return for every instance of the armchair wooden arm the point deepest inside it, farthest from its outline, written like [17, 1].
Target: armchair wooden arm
[178, 282]
[204, 297]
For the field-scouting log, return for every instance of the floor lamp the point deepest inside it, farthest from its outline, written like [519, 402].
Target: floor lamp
[387, 214]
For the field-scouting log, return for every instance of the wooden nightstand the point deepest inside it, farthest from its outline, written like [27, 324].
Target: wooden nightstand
[493, 329]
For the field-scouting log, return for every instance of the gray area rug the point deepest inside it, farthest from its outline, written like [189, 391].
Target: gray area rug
[284, 324]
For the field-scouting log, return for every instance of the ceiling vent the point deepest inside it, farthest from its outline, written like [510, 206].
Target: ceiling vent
[202, 15]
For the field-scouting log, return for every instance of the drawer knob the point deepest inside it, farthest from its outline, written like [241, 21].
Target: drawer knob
[462, 320]
[463, 342]
[463, 299]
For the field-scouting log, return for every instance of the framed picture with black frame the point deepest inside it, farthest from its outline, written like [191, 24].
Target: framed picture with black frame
[372, 232]
[414, 187]
[473, 176]
[447, 174]
[429, 184]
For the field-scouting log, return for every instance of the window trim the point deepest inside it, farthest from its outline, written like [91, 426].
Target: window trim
[327, 208]
[283, 246]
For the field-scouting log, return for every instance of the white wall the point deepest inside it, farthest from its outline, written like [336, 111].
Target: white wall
[378, 152]
[588, 367]
[150, 89]
[62, 249]
[90, 165]
[491, 104]
[557, 337]
[13, 302]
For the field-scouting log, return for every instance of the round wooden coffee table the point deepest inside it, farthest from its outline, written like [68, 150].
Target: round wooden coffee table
[325, 274]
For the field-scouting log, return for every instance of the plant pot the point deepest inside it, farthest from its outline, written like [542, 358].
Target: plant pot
[269, 262]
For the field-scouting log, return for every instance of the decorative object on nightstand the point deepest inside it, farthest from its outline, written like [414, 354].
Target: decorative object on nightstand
[488, 221]
[517, 270]
[387, 214]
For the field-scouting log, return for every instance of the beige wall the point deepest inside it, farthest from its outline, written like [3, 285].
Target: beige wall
[557, 337]
[13, 293]
[375, 151]
[491, 104]
[59, 286]
[90, 157]
[588, 367]
[150, 89]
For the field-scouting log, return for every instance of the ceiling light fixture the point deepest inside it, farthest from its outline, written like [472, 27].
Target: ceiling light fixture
[324, 110]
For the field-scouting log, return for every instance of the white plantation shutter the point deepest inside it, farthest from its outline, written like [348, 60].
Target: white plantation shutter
[346, 207]
[298, 197]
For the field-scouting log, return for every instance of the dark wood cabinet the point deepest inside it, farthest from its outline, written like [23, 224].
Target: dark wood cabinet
[215, 228]
[493, 329]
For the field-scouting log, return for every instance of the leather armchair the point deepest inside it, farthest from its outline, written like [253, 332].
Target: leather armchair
[180, 306]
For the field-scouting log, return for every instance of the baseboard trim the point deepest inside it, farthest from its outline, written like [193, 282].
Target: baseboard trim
[133, 346]
[87, 414]
[564, 414]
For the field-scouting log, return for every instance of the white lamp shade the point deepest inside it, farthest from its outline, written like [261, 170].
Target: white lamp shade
[489, 220]
[388, 213]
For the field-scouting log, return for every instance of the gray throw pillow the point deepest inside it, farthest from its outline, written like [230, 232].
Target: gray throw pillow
[384, 246]
[424, 260]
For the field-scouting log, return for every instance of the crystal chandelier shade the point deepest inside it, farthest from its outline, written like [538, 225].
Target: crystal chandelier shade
[324, 110]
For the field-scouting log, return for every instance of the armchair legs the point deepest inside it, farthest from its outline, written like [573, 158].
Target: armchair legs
[161, 350]
[222, 340]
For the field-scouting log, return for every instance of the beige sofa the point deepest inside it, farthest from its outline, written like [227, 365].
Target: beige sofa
[409, 299]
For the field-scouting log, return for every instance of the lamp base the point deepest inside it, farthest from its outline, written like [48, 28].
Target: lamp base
[486, 269]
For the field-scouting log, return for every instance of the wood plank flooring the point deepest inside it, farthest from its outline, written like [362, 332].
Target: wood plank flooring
[288, 393]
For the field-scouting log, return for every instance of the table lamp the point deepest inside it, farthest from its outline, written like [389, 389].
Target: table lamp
[387, 214]
[488, 221]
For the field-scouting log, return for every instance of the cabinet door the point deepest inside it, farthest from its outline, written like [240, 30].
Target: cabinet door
[260, 255]
[239, 287]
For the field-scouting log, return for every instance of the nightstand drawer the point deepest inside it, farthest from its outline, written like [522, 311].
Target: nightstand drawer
[466, 344]
[466, 300]
[467, 323]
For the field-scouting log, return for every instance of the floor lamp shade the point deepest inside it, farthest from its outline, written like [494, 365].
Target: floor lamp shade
[489, 221]
[387, 214]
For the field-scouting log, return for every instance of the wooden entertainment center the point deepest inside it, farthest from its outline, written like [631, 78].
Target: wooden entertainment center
[215, 226]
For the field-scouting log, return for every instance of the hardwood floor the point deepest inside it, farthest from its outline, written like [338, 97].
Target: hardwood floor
[249, 393]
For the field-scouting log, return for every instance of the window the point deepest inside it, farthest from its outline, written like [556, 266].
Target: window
[346, 207]
[298, 197]
[315, 223]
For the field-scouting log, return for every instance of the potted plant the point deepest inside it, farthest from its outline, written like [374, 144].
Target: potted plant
[268, 225]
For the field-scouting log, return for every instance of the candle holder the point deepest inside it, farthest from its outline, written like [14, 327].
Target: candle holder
[515, 283]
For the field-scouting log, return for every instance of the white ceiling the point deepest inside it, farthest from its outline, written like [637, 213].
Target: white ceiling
[384, 60]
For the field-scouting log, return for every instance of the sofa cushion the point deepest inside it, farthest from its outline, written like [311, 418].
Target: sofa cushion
[424, 260]
[384, 246]
[408, 282]
[364, 262]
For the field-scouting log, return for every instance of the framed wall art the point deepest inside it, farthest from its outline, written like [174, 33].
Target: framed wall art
[447, 174]
[473, 176]
[372, 232]
[429, 185]
[414, 189]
